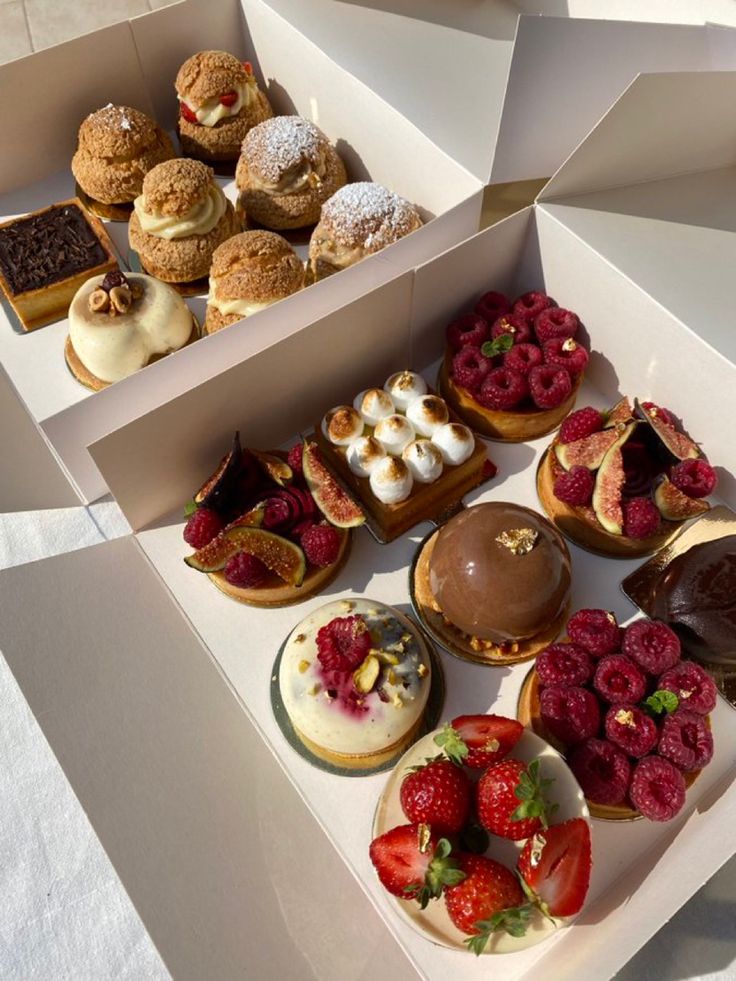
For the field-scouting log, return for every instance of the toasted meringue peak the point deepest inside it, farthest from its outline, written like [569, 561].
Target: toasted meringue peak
[342, 425]
[363, 454]
[424, 460]
[455, 441]
[393, 433]
[374, 404]
[391, 480]
[427, 414]
[404, 387]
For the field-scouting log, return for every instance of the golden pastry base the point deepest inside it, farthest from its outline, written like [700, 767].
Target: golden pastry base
[504, 426]
[454, 640]
[528, 713]
[196, 287]
[110, 212]
[95, 384]
[575, 524]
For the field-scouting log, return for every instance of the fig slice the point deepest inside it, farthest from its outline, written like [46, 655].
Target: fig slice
[621, 412]
[590, 450]
[278, 470]
[607, 492]
[216, 491]
[278, 554]
[674, 505]
[678, 444]
[334, 503]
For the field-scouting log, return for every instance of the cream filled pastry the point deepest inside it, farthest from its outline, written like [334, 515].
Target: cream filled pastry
[358, 220]
[354, 678]
[249, 272]
[219, 101]
[286, 171]
[118, 324]
[179, 220]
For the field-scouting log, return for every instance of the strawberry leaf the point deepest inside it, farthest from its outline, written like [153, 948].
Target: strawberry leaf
[513, 921]
[452, 743]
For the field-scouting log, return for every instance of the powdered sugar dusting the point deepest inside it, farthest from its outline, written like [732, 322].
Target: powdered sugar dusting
[368, 214]
[116, 116]
[278, 145]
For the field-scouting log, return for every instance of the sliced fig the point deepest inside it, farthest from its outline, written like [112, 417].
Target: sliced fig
[278, 554]
[621, 412]
[218, 489]
[590, 450]
[609, 483]
[334, 503]
[678, 444]
[674, 505]
[278, 470]
[251, 519]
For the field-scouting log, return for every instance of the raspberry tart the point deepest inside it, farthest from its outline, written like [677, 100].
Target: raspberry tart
[401, 453]
[492, 585]
[354, 679]
[631, 717]
[262, 534]
[512, 370]
[622, 482]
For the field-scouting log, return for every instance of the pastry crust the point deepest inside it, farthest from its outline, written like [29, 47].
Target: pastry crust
[207, 74]
[118, 145]
[176, 188]
[274, 150]
[183, 259]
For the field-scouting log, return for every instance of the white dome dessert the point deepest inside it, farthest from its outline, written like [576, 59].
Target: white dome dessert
[404, 387]
[374, 404]
[394, 433]
[427, 414]
[342, 425]
[455, 442]
[391, 480]
[363, 455]
[424, 460]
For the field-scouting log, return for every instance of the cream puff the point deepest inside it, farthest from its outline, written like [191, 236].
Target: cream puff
[117, 147]
[355, 222]
[179, 220]
[120, 323]
[286, 171]
[219, 101]
[249, 272]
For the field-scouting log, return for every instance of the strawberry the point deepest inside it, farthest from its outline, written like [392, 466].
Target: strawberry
[489, 898]
[187, 113]
[509, 799]
[437, 794]
[229, 99]
[479, 741]
[413, 863]
[555, 867]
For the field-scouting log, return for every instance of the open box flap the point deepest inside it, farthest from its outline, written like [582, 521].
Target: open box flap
[205, 830]
[153, 463]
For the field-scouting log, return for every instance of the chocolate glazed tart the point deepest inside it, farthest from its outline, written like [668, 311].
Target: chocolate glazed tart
[492, 584]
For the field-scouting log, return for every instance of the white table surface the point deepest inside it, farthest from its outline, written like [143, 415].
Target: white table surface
[65, 914]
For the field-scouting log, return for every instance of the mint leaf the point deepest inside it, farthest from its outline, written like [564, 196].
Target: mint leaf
[662, 701]
[189, 508]
[499, 345]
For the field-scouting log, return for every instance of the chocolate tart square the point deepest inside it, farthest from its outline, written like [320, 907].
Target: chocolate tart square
[45, 257]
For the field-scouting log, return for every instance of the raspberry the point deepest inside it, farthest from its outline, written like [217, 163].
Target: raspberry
[294, 459]
[522, 358]
[492, 305]
[564, 664]
[550, 385]
[696, 478]
[502, 388]
[303, 526]
[321, 545]
[686, 741]
[575, 486]
[530, 305]
[571, 714]
[555, 323]
[467, 329]
[566, 353]
[581, 423]
[653, 645]
[343, 643]
[631, 729]
[245, 571]
[657, 789]
[641, 517]
[596, 631]
[693, 686]
[619, 681]
[602, 770]
[204, 525]
[664, 414]
[514, 325]
[470, 367]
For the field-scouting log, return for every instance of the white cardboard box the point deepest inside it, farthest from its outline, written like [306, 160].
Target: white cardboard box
[135, 63]
[159, 623]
